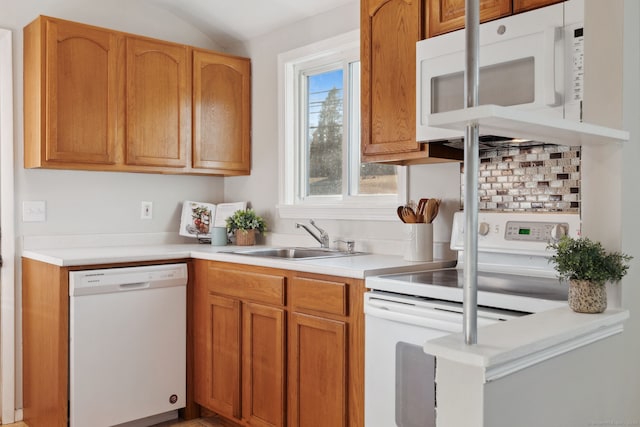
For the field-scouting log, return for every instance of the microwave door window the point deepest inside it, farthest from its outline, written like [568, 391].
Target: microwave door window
[415, 387]
[508, 83]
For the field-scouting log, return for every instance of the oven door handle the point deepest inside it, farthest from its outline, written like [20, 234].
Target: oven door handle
[423, 316]
[441, 319]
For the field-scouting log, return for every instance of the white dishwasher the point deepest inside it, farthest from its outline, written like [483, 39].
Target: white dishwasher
[127, 344]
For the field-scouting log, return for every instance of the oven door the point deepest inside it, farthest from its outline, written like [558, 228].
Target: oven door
[399, 376]
[521, 64]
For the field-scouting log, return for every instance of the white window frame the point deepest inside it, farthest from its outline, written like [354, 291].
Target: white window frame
[290, 206]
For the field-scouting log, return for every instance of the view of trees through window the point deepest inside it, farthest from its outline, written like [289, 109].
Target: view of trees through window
[326, 163]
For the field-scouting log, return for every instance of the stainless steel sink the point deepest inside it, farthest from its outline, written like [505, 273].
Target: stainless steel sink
[293, 253]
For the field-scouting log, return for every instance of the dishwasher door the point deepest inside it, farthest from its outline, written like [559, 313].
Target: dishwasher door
[127, 350]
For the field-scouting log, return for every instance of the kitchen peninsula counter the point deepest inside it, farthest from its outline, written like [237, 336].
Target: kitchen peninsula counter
[547, 368]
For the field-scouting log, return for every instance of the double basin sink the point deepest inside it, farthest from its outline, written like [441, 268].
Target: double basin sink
[294, 253]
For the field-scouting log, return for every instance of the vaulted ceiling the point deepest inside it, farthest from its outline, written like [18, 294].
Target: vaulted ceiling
[227, 21]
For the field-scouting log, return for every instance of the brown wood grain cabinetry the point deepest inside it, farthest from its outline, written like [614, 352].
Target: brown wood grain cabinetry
[218, 384]
[263, 349]
[444, 16]
[70, 78]
[448, 15]
[326, 351]
[524, 5]
[317, 371]
[301, 346]
[389, 32]
[221, 112]
[99, 99]
[158, 103]
[239, 343]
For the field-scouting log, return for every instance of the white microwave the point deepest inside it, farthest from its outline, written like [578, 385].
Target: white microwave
[531, 61]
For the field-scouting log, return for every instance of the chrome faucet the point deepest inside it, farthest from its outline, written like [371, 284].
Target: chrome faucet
[324, 236]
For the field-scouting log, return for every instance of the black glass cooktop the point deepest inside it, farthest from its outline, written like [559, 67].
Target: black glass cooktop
[510, 284]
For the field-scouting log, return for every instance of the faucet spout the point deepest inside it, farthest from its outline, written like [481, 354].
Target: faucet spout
[324, 236]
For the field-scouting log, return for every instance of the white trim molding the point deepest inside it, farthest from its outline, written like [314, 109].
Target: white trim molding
[7, 225]
[360, 207]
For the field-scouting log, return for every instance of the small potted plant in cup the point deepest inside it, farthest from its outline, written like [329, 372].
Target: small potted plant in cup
[244, 224]
[588, 267]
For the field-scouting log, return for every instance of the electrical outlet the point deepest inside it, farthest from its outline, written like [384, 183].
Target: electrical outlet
[146, 210]
[34, 211]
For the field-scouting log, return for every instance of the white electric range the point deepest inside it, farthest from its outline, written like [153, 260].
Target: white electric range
[403, 311]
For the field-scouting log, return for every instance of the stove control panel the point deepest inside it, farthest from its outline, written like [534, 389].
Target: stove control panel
[515, 232]
[535, 231]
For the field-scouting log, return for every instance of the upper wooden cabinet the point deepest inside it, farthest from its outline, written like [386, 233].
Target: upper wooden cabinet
[524, 5]
[221, 112]
[444, 16]
[389, 32]
[70, 79]
[98, 99]
[448, 15]
[158, 99]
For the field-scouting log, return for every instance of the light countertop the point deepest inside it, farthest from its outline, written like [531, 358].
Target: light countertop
[356, 266]
[506, 347]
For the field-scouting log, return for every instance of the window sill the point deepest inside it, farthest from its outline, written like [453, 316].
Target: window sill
[339, 211]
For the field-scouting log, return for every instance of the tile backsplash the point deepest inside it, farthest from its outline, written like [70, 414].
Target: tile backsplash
[542, 178]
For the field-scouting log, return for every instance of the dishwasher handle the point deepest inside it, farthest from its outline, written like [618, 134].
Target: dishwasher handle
[134, 286]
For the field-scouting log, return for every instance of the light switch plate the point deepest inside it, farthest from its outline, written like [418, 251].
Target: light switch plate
[34, 211]
[146, 210]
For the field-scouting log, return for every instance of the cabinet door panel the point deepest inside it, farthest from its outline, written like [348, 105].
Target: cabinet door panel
[81, 89]
[390, 30]
[218, 384]
[317, 372]
[221, 103]
[524, 5]
[448, 15]
[263, 365]
[158, 103]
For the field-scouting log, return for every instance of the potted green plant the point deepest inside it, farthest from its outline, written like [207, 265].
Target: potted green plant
[245, 223]
[588, 267]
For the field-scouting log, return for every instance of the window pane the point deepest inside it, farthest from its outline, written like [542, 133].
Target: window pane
[324, 133]
[378, 179]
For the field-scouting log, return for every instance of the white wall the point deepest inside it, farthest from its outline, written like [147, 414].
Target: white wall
[92, 202]
[261, 188]
[629, 374]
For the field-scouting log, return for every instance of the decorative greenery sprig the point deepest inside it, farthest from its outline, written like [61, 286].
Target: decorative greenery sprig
[584, 259]
[245, 220]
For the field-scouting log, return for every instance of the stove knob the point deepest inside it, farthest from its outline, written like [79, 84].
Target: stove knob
[558, 231]
[483, 228]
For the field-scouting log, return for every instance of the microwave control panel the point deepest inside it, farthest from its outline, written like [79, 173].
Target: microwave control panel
[577, 51]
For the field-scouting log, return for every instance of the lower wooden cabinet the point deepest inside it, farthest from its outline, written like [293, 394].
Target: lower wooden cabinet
[218, 363]
[277, 347]
[263, 342]
[317, 372]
